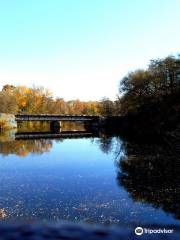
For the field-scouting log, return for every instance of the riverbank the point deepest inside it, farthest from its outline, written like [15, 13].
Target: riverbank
[161, 119]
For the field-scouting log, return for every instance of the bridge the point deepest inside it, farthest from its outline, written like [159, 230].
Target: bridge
[56, 119]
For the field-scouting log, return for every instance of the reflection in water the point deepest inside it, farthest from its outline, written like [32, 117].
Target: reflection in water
[54, 186]
[151, 174]
[22, 148]
[105, 143]
[75, 179]
[3, 213]
[25, 143]
[51, 135]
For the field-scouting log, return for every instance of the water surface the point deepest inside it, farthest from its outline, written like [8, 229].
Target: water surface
[97, 180]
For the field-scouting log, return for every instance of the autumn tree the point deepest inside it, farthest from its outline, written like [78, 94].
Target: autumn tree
[158, 84]
[35, 100]
[8, 102]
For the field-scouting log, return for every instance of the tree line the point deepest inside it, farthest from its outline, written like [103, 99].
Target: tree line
[37, 100]
[152, 89]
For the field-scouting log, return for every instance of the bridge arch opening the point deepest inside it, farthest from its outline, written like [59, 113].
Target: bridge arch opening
[55, 126]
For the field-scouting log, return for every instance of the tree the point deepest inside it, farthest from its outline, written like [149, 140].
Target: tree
[8, 102]
[159, 83]
[107, 107]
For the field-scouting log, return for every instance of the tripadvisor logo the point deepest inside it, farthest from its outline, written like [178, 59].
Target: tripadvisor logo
[139, 231]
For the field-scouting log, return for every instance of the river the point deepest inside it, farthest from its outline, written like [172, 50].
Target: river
[97, 179]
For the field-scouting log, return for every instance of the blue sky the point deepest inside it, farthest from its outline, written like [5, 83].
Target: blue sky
[82, 48]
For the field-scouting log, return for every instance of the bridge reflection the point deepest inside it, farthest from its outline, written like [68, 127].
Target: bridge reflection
[51, 135]
[24, 143]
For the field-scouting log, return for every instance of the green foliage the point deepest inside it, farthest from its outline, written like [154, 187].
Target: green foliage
[107, 107]
[157, 85]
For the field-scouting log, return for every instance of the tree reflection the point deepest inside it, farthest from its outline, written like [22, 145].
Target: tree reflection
[105, 143]
[8, 145]
[3, 213]
[151, 174]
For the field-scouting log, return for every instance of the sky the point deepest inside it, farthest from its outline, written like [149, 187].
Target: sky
[81, 49]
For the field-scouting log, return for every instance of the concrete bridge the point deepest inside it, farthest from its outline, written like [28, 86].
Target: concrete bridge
[56, 119]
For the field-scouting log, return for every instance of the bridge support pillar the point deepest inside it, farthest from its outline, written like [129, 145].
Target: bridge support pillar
[55, 126]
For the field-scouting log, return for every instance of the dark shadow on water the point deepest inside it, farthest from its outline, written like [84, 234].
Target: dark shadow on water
[150, 172]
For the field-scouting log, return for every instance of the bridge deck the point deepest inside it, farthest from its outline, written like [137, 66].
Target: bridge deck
[54, 117]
